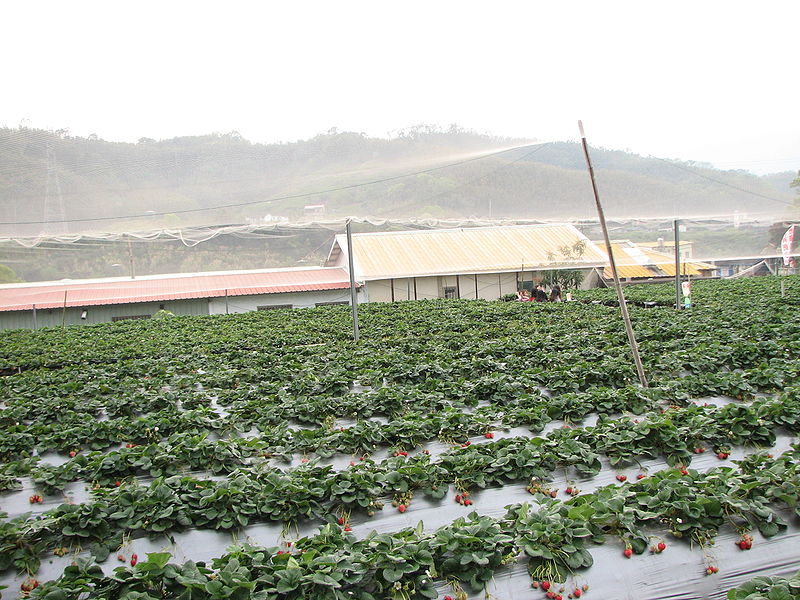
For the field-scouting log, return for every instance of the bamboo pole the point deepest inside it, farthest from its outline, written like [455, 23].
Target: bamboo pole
[353, 294]
[623, 307]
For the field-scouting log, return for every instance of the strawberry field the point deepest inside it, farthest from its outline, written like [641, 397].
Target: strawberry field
[462, 448]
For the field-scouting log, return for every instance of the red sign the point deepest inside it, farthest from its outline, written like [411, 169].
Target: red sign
[787, 247]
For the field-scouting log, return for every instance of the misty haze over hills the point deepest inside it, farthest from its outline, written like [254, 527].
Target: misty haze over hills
[48, 177]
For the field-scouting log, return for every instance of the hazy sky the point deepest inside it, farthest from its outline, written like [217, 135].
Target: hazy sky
[711, 81]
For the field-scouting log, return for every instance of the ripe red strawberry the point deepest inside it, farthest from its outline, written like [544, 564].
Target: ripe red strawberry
[742, 544]
[348, 528]
[684, 472]
[72, 454]
[402, 508]
[134, 559]
[341, 521]
[641, 476]
[722, 455]
[458, 498]
[467, 502]
[551, 595]
[121, 558]
[545, 585]
[558, 597]
[622, 477]
[117, 483]
[661, 546]
[352, 463]
[577, 593]
[288, 544]
[628, 552]
[569, 491]
[448, 598]
[489, 435]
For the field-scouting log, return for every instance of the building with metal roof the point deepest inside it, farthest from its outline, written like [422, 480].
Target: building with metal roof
[638, 262]
[51, 303]
[477, 262]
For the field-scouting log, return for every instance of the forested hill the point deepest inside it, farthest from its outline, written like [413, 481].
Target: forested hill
[424, 171]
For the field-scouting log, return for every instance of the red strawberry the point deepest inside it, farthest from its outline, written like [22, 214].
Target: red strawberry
[628, 552]
[448, 598]
[467, 502]
[559, 597]
[288, 544]
[341, 521]
[134, 559]
[117, 483]
[641, 476]
[458, 498]
[722, 455]
[121, 558]
[661, 546]
[551, 595]
[577, 593]
[348, 528]
[72, 454]
[569, 491]
[352, 464]
[545, 585]
[684, 472]
[489, 435]
[622, 477]
[402, 508]
[743, 545]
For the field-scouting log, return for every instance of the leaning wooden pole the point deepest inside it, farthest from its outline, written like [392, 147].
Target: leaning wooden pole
[677, 235]
[623, 307]
[353, 294]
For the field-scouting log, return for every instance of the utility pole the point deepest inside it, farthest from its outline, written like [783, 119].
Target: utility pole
[623, 307]
[130, 256]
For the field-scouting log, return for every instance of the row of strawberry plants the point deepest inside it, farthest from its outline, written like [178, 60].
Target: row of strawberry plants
[675, 435]
[555, 537]
[259, 493]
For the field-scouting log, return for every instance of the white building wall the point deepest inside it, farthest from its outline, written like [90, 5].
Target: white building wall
[427, 288]
[240, 304]
[467, 288]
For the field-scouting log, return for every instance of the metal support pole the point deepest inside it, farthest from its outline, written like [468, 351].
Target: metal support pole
[676, 228]
[226, 301]
[34, 315]
[353, 294]
[620, 295]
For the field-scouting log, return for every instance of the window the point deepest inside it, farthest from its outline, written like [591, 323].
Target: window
[273, 307]
[130, 318]
[449, 292]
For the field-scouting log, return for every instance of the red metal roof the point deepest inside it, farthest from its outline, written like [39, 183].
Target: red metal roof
[156, 288]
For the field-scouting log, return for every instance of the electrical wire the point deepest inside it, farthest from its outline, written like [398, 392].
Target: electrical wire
[723, 183]
[276, 199]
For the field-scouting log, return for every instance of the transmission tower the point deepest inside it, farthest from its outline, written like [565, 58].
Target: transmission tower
[55, 215]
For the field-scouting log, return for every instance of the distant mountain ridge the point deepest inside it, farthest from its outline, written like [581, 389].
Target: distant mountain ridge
[424, 171]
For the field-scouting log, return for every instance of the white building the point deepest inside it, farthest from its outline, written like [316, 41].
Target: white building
[478, 262]
[51, 303]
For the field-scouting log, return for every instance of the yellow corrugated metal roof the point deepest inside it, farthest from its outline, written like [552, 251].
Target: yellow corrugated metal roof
[635, 261]
[468, 250]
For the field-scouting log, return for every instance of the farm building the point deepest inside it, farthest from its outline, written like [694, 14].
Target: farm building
[480, 262]
[638, 263]
[46, 304]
